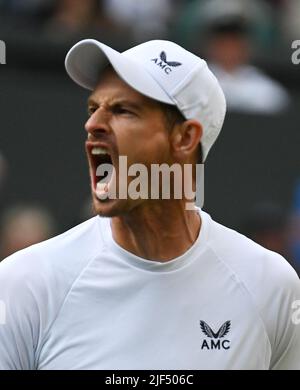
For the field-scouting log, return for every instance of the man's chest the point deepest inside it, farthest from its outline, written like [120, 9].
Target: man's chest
[159, 328]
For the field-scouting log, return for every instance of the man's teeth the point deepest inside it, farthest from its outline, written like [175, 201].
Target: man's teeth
[98, 150]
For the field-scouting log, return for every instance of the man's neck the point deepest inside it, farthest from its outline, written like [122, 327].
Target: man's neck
[160, 231]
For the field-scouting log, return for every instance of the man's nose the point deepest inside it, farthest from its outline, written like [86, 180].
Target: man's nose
[98, 123]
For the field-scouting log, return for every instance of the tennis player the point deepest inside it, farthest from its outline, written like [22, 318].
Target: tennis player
[147, 284]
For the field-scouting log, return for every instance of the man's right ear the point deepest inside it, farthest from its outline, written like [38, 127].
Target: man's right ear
[185, 138]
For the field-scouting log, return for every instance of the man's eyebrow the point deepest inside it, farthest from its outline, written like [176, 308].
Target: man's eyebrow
[127, 103]
[91, 101]
[117, 102]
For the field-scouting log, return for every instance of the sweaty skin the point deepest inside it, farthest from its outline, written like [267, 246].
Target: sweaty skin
[128, 123]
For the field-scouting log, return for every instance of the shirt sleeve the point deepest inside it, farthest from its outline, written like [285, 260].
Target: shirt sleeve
[286, 349]
[19, 316]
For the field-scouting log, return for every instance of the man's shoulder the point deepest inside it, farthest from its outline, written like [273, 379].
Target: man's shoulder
[265, 276]
[53, 261]
[248, 260]
[81, 241]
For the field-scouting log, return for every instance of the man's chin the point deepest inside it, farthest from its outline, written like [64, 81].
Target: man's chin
[111, 207]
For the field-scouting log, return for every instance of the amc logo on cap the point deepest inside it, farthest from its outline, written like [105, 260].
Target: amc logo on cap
[164, 64]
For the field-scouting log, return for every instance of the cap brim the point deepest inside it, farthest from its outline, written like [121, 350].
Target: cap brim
[85, 61]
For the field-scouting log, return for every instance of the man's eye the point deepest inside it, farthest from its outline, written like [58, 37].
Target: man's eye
[121, 110]
[91, 110]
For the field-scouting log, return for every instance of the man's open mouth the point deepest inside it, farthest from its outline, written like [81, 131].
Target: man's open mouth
[102, 168]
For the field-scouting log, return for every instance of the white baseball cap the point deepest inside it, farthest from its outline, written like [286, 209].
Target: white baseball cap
[161, 70]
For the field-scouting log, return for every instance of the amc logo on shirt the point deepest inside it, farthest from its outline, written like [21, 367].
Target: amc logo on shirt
[215, 341]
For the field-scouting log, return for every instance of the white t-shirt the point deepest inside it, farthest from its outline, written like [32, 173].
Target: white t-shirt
[80, 301]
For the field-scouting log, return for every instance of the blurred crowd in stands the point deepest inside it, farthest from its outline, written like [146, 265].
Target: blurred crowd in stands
[230, 34]
[22, 226]
[269, 21]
